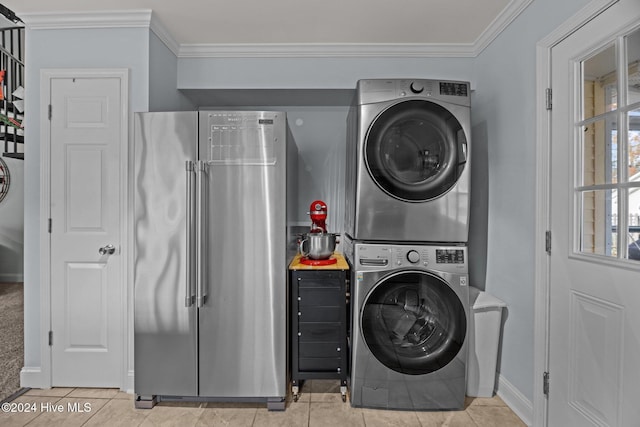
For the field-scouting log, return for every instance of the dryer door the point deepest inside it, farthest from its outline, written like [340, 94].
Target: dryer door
[413, 323]
[415, 150]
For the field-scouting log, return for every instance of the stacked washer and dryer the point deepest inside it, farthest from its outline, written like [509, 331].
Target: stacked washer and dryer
[406, 226]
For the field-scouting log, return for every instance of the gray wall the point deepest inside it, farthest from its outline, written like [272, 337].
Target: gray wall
[503, 223]
[163, 74]
[311, 73]
[319, 133]
[12, 224]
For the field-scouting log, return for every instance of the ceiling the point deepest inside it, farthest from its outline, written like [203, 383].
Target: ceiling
[443, 23]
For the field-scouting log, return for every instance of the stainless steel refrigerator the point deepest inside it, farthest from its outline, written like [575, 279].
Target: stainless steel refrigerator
[214, 191]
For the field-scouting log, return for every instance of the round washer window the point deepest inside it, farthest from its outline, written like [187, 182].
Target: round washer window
[415, 150]
[413, 323]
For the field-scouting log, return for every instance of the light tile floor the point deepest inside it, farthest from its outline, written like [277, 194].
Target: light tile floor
[320, 404]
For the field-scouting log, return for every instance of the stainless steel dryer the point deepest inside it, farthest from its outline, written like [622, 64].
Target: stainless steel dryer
[409, 326]
[408, 161]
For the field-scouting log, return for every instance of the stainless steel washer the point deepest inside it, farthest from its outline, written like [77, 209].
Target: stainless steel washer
[410, 311]
[408, 161]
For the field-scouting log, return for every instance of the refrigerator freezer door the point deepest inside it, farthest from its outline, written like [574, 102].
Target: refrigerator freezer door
[165, 317]
[243, 320]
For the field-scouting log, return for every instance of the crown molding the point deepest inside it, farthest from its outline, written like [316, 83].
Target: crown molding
[164, 35]
[500, 23]
[142, 18]
[75, 20]
[319, 50]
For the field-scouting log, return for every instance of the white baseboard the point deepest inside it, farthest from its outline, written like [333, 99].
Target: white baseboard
[128, 386]
[515, 400]
[31, 376]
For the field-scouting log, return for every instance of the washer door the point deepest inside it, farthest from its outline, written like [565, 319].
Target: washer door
[413, 323]
[415, 150]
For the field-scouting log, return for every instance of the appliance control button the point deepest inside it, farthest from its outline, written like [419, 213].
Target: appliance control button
[413, 256]
[416, 87]
[403, 93]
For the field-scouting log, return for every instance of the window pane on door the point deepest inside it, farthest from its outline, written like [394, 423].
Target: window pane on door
[599, 234]
[599, 151]
[600, 83]
[633, 223]
[633, 57]
[633, 145]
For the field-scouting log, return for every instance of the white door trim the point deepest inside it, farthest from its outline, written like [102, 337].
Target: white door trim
[46, 75]
[543, 147]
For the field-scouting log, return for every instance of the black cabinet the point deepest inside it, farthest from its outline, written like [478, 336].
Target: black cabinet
[319, 306]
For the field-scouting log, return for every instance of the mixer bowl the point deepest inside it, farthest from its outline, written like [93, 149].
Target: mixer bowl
[318, 245]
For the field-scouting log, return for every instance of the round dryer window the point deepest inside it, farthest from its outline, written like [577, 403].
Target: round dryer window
[413, 323]
[415, 150]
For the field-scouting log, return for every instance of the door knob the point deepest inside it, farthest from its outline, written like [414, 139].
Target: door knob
[107, 250]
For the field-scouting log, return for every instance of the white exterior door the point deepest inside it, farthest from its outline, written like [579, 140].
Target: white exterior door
[87, 310]
[594, 323]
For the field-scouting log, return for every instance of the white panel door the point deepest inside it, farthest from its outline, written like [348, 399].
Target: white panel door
[594, 323]
[86, 301]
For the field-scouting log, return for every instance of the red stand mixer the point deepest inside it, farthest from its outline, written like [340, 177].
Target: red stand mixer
[318, 214]
[317, 246]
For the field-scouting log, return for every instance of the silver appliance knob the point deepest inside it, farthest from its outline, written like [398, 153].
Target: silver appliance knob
[416, 87]
[413, 256]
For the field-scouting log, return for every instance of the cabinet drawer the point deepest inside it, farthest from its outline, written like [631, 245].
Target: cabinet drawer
[320, 332]
[319, 364]
[321, 296]
[316, 279]
[320, 314]
[320, 349]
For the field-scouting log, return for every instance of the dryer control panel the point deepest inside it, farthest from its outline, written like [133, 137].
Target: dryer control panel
[381, 90]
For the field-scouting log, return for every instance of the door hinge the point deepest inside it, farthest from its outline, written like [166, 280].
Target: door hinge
[549, 98]
[547, 241]
[545, 383]
[50, 225]
[49, 113]
[50, 338]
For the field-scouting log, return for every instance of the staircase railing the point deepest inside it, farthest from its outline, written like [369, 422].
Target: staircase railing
[12, 85]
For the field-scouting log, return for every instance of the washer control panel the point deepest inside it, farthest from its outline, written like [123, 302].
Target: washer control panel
[389, 257]
[411, 256]
[449, 256]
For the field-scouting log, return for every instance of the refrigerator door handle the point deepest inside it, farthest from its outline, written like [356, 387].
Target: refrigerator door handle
[200, 230]
[189, 291]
